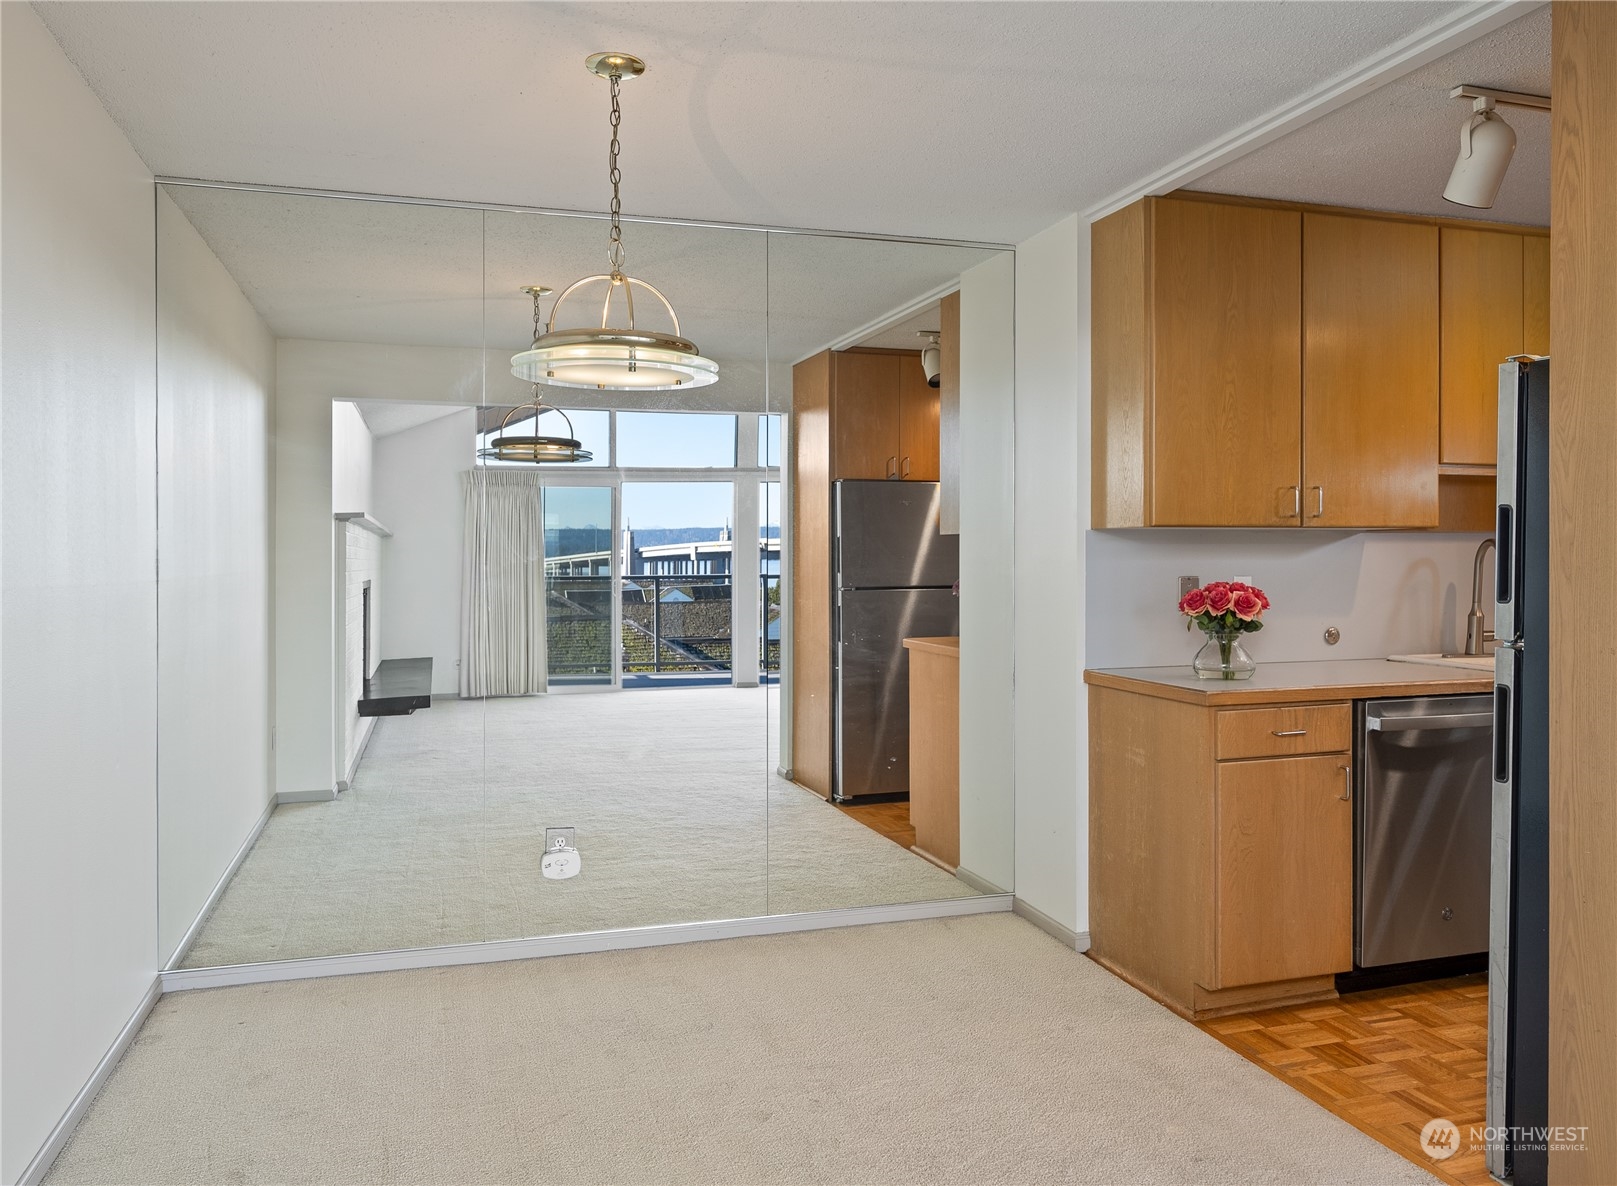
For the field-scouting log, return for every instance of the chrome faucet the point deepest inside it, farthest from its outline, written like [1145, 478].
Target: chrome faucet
[1475, 637]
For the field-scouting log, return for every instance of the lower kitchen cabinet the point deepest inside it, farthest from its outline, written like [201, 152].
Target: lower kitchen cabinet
[1283, 869]
[1221, 849]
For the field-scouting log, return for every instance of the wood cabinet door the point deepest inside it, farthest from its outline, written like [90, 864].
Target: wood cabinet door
[1283, 869]
[918, 424]
[1535, 294]
[865, 415]
[1226, 411]
[1370, 372]
[1482, 324]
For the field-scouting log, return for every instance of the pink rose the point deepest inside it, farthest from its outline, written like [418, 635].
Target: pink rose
[1219, 597]
[1193, 603]
[1246, 605]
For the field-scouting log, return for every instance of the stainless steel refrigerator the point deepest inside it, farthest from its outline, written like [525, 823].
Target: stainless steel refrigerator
[1519, 909]
[893, 575]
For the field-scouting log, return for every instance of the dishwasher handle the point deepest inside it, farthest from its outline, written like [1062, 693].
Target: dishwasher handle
[1406, 724]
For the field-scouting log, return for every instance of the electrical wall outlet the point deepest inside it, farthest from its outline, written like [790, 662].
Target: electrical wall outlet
[564, 835]
[1186, 584]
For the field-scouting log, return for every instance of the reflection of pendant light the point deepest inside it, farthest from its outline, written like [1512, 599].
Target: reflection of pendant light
[612, 358]
[534, 449]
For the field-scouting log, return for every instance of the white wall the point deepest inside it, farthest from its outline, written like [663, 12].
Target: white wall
[417, 491]
[1389, 593]
[987, 636]
[351, 460]
[309, 376]
[216, 375]
[1052, 508]
[78, 609]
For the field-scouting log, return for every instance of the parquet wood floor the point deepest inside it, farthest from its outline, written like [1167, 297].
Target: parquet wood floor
[1386, 1061]
[892, 820]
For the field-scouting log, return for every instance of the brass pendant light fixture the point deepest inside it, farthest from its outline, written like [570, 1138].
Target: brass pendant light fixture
[608, 357]
[535, 448]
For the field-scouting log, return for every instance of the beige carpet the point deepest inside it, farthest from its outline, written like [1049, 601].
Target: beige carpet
[968, 1050]
[680, 818]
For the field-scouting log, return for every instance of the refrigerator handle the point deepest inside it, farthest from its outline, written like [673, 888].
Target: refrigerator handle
[1504, 563]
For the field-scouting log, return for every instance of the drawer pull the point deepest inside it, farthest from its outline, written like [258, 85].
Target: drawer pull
[1289, 732]
[1347, 794]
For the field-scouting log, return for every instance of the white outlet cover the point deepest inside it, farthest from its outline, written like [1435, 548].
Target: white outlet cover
[561, 864]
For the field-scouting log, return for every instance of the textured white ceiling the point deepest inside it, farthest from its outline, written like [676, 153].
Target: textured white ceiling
[978, 121]
[903, 335]
[386, 417]
[353, 271]
[1393, 149]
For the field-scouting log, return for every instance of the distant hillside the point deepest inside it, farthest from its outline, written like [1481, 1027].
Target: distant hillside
[651, 537]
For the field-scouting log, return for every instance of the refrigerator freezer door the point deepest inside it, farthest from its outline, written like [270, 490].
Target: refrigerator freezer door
[1499, 908]
[873, 683]
[888, 537]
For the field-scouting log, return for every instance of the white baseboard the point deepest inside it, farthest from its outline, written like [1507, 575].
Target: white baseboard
[981, 884]
[500, 951]
[1077, 940]
[319, 795]
[219, 886]
[368, 725]
[41, 1164]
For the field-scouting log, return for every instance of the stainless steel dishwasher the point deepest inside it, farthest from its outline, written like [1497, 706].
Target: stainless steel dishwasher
[1421, 830]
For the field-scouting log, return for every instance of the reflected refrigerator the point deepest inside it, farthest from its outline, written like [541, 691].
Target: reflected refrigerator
[893, 575]
[1519, 912]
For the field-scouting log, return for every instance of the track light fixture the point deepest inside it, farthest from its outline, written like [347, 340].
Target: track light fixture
[1487, 143]
[931, 356]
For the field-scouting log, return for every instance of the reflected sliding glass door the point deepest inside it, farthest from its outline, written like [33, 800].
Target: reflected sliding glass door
[581, 614]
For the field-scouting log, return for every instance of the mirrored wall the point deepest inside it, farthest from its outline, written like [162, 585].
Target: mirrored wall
[419, 688]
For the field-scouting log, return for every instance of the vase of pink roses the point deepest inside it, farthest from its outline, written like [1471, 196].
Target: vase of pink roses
[1224, 610]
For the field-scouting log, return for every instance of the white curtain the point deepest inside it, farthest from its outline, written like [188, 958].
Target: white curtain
[502, 596]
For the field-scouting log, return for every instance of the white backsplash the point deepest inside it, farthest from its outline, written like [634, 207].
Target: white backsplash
[1389, 593]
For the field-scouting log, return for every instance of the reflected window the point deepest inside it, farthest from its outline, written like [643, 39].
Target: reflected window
[769, 442]
[676, 440]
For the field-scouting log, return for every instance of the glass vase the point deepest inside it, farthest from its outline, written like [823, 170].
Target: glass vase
[1223, 657]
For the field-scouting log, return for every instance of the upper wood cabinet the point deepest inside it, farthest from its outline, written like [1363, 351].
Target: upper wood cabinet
[1482, 326]
[1198, 375]
[1263, 364]
[1370, 372]
[884, 416]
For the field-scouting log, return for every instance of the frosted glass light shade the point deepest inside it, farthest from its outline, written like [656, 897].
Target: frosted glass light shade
[614, 367]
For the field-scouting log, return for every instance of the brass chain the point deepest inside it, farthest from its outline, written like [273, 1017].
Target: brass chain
[614, 249]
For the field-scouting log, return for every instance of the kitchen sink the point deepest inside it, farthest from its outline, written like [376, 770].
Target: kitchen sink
[1473, 662]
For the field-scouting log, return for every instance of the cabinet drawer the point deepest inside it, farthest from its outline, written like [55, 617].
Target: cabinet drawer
[1289, 729]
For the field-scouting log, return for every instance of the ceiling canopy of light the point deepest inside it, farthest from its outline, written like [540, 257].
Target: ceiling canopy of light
[608, 357]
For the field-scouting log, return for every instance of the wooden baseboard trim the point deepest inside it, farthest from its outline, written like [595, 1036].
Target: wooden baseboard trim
[1207, 1003]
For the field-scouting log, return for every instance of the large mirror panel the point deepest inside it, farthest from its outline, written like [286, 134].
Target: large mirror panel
[891, 369]
[613, 677]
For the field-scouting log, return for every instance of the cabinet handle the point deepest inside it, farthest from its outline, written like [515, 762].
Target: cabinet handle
[906, 467]
[1347, 795]
[1289, 732]
[1319, 501]
[892, 467]
[1296, 503]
